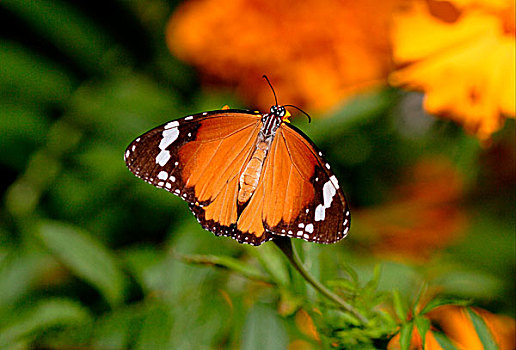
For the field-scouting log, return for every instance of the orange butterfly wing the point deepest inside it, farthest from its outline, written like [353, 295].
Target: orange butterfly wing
[200, 158]
[304, 199]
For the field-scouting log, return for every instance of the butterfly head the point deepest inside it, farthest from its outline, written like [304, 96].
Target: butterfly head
[281, 113]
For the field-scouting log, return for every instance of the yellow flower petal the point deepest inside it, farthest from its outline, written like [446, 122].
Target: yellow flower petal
[507, 56]
[418, 35]
[465, 65]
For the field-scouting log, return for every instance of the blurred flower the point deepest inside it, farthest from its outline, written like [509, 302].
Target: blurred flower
[423, 215]
[461, 53]
[315, 53]
[456, 324]
[306, 324]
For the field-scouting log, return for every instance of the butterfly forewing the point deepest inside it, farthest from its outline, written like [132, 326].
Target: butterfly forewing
[167, 156]
[306, 199]
[200, 159]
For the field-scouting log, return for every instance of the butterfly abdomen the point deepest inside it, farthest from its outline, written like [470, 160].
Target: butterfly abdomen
[251, 175]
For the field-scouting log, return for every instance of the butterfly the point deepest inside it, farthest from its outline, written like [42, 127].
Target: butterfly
[248, 175]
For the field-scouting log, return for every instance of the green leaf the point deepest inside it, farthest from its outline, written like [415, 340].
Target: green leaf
[434, 303]
[263, 329]
[141, 263]
[406, 335]
[116, 329]
[352, 273]
[423, 325]
[399, 306]
[18, 272]
[156, 329]
[484, 334]
[85, 257]
[421, 292]
[444, 342]
[372, 285]
[39, 317]
[272, 261]
[343, 284]
[226, 262]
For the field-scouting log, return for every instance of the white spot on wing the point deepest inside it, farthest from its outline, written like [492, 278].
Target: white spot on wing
[320, 213]
[173, 124]
[328, 193]
[334, 181]
[309, 228]
[189, 117]
[162, 175]
[169, 136]
[163, 157]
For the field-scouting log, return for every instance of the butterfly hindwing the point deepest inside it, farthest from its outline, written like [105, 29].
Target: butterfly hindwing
[307, 201]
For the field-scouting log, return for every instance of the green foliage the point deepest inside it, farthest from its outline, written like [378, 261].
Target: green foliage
[91, 257]
[84, 257]
[29, 322]
[258, 336]
[484, 334]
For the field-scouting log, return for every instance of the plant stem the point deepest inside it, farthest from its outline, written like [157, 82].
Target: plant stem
[285, 244]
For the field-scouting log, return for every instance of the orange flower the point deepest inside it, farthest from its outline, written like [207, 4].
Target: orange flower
[458, 327]
[306, 324]
[461, 53]
[315, 53]
[456, 324]
[422, 218]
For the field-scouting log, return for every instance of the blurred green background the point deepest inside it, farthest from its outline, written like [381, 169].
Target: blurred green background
[92, 257]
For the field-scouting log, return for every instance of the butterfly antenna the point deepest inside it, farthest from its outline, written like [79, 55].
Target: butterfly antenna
[275, 98]
[299, 109]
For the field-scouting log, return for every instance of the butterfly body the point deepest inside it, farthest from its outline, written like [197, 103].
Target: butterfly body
[246, 175]
[251, 174]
